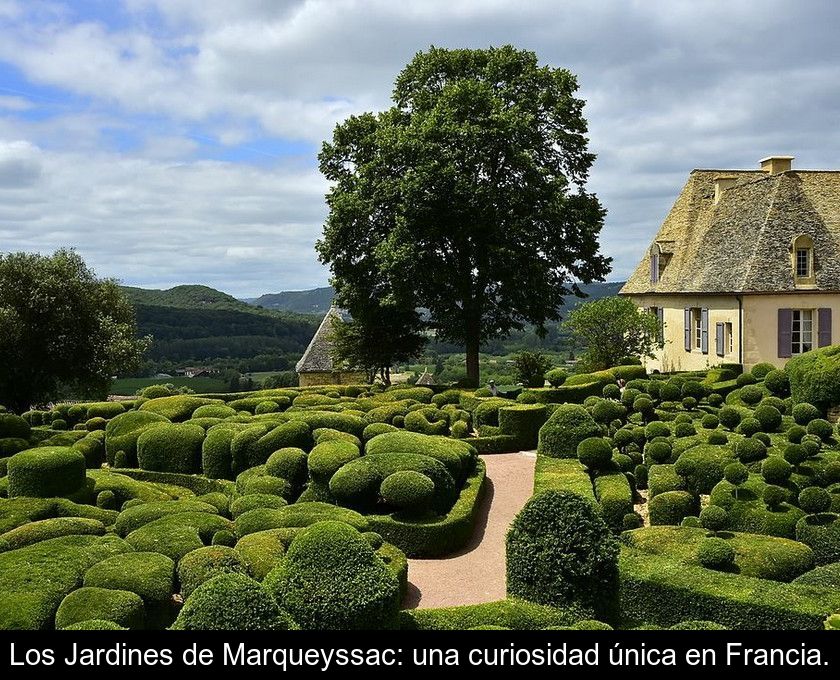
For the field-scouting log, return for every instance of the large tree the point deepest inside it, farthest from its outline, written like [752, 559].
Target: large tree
[60, 328]
[611, 329]
[467, 197]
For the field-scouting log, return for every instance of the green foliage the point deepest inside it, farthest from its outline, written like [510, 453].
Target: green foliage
[297, 515]
[611, 328]
[813, 500]
[713, 518]
[729, 417]
[803, 413]
[761, 370]
[750, 394]
[469, 100]
[821, 428]
[560, 551]
[458, 456]
[615, 498]
[85, 604]
[775, 470]
[61, 327]
[716, 553]
[530, 368]
[408, 490]
[148, 574]
[778, 383]
[331, 579]
[513, 614]
[201, 565]
[569, 425]
[171, 448]
[815, 377]
[595, 453]
[669, 507]
[821, 532]
[557, 376]
[327, 458]
[232, 602]
[46, 471]
[45, 529]
[123, 431]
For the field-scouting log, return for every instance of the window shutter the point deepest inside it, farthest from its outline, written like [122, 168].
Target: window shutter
[704, 330]
[687, 329]
[654, 268]
[824, 330]
[660, 315]
[719, 350]
[784, 332]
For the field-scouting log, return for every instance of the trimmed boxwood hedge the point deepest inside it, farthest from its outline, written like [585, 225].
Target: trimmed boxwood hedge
[457, 455]
[148, 574]
[45, 529]
[122, 607]
[47, 471]
[298, 515]
[438, 536]
[331, 579]
[171, 448]
[122, 432]
[671, 506]
[201, 565]
[563, 474]
[661, 591]
[511, 614]
[615, 497]
[569, 425]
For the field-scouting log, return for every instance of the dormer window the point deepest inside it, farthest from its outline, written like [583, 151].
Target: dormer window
[803, 260]
[658, 262]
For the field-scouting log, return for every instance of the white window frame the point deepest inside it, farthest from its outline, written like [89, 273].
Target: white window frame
[728, 339]
[803, 257]
[802, 331]
[696, 329]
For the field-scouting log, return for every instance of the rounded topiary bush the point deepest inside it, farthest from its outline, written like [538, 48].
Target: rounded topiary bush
[408, 490]
[122, 432]
[595, 453]
[232, 602]
[556, 377]
[122, 607]
[768, 417]
[761, 370]
[778, 383]
[773, 496]
[560, 551]
[640, 473]
[813, 500]
[776, 470]
[715, 399]
[658, 452]
[289, 463]
[171, 448]
[815, 376]
[804, 413]
[46, 472]
[331, 579]
[569, 425]
[729, 417]
[709, 422]
[745, 380]
[327, 458]
[671, 506]
[718, 438]
[795, 454]
[657, 429]
[749, 426]
[750, 450]
[736, 473]
[795, 434]
[689, 404]
[751, 394]
[611, 391]
[820, 428]
[684, 429]
[714, 518]
[716, 553]
[201, 565]
[630, 521]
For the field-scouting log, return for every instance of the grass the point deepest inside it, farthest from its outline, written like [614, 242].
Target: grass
[129, 386]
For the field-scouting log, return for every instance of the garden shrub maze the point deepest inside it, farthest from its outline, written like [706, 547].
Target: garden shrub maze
[692, 500]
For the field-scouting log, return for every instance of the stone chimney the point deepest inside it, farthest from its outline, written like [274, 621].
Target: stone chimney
[773, 165]
[722, 183]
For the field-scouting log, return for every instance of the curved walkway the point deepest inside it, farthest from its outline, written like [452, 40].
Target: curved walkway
[476, 573]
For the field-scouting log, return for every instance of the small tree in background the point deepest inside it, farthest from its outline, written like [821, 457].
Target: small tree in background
[61, 329]
[530, 368]
[611, 329]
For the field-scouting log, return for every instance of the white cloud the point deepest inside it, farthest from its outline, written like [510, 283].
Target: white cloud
[670, 86]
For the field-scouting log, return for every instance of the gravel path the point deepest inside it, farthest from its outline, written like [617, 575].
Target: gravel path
[476, 573]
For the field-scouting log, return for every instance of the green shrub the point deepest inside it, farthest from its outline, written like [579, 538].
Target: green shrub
[713, 518]
[662, 478]
[357, 484]
[670, 507]
[427, 420]
[663, 592]
[45, 529]
[815, 377]
[232, 602]
[820, 428]
[556, 377]
[85, 604]
[94, 624]
[736, 474]
[615, 498]
[595, 453]
[775, 470]
[45, 472]
[288, 463]
[408, 490]
[718, 438]
[709, 422]
[773, 496]
[511, 614]
[569, 425]
[778, 383]
[375, 429]
[171, 448]
[715, 399]
[178, 534]
[344, 422]
[147, 574]
[716, 553]
[729, 417]
[814, 500]
[523, 421]
[821, 532]
[769, 418]
[795, 434]
[122, 432]
[751, 394]
[254, 501]
[139, 515]
[761, 370]
[331, 579]
[458, 456]
[202, 564]
[214, 411]
[176, 408]
[560, 551]
[297, 515]
[826, 576]
[749, 427]
[745, 380]
[266, 484]
[327, 458]
[795, 454]
[803, 413]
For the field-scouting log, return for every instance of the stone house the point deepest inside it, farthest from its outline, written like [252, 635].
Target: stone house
[316, 366]
[745, 268]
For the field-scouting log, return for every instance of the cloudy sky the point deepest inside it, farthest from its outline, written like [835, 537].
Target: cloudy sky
[174, 141]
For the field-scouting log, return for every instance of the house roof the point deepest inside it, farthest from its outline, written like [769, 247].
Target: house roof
[426, 378]
[318, 355]
[743, 243]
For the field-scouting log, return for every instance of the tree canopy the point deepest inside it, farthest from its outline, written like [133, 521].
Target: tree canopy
[612, 329]
[60, 327]
[467, 197]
